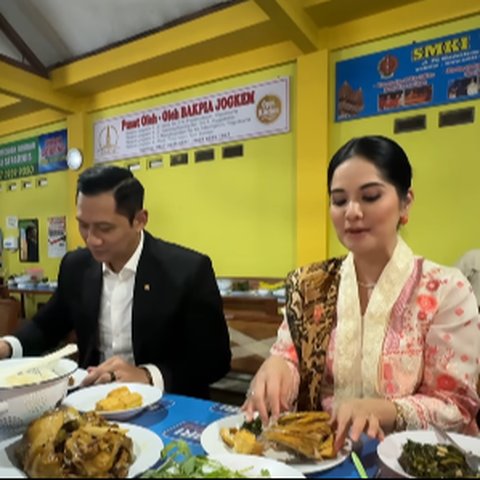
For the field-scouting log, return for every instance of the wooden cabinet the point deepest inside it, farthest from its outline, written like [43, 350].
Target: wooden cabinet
[253, 323]
[9, 315]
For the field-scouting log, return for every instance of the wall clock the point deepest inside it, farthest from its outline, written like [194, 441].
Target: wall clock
[74, 158]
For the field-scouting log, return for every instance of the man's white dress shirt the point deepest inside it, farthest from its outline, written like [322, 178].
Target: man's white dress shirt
[115, 321]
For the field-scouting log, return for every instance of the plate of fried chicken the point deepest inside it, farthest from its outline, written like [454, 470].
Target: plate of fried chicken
[67, 443]
[302, 439]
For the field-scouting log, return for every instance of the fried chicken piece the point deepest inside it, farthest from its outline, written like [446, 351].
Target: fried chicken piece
[228, 436]
[65, 443]
[307, 433]
[95, 451]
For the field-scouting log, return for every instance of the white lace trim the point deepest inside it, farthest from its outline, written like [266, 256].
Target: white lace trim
[358, 350]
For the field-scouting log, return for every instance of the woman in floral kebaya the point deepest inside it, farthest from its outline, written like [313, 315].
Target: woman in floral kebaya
[382, 339]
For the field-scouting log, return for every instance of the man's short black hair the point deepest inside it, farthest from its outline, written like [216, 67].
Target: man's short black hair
[126, 189]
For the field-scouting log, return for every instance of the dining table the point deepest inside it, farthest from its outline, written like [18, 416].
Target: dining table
[177, 417]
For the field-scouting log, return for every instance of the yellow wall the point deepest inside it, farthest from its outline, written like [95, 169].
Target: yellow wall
[265, 213]
[36, 202]
[240, 211]
[445, 162]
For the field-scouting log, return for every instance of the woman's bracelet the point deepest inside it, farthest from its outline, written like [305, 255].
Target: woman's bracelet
[400, 418]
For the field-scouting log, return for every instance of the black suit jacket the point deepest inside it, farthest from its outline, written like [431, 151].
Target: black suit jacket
[177, 315]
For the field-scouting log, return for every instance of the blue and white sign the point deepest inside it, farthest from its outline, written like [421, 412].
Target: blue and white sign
[419, 75]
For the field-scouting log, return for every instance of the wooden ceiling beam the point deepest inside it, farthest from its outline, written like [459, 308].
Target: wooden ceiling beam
[397, 21]
[314, 3]
[24, 85]
[22, 47]
[225, 67]
[7, 101]
[134, 55]
[14, 110]
[28, 121]
[292, 20]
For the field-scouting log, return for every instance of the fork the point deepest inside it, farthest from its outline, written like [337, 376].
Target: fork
[473, 461]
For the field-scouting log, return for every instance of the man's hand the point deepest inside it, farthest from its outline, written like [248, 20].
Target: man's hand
[115, 369]
[5, 349]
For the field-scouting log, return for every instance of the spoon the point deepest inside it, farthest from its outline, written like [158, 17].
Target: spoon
[39, 362]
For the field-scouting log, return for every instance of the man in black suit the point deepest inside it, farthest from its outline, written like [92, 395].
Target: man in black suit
[142, 309]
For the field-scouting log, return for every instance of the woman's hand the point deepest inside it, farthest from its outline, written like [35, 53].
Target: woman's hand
[370, 415]
[271, 391]
[115, 369]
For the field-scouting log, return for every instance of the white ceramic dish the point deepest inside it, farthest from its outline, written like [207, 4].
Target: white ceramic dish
[85, 399]
[390, 449]
[146, 447]
[251, 465]
[214, 445]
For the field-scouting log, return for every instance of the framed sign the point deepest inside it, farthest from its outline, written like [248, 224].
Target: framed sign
[28, 231]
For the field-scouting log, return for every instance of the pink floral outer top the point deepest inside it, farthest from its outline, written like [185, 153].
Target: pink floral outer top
[431, 351]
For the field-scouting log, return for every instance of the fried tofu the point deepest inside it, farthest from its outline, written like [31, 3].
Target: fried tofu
[119, 399]
[246, 442]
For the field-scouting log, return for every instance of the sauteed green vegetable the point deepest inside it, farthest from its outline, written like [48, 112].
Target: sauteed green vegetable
[434, 461]
[254, 426]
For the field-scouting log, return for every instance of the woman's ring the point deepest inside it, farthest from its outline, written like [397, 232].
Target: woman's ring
[113, 377]
[250, 393]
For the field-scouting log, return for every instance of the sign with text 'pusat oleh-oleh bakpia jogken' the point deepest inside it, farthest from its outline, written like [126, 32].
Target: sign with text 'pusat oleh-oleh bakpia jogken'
[252, 111]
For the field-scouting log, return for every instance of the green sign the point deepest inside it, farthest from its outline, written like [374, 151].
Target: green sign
[19, 159]
[38, 155]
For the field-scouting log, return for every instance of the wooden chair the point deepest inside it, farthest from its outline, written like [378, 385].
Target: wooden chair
[9, 315]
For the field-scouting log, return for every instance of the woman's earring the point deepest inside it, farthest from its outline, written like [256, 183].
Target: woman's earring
[403, 219]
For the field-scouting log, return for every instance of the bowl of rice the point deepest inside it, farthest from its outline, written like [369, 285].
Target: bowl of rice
[27, 395]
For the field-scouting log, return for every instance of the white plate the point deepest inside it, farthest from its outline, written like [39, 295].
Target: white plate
[390, 449]
[146, 449]
[255, 465]
[214, 445]
[77, 377]
[85, 399]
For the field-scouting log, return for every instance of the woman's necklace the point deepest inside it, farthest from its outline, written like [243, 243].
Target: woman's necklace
[368, 286]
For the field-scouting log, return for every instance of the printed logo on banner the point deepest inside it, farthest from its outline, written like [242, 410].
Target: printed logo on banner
[387, 66]
[269, 108]
[224, 409]
[188, 431]
[108, 139]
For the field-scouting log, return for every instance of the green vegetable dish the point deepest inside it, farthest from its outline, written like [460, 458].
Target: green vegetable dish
[255, 426]
[434, 461]
[180, 463]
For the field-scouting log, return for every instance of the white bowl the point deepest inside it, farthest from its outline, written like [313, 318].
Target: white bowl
[20, 405]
